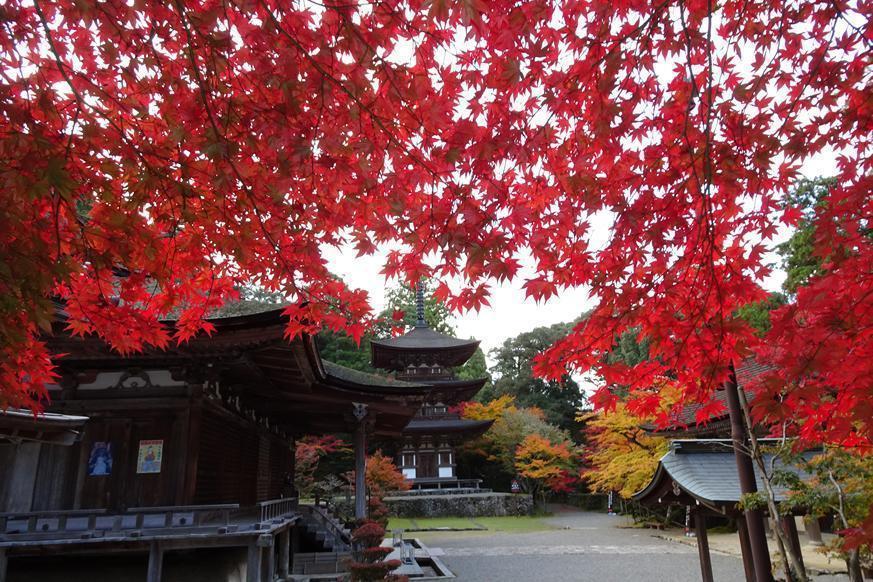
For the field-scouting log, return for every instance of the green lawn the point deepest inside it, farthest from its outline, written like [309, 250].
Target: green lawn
[494, 524]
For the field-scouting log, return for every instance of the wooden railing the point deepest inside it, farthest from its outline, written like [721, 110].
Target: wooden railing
[276, 508]
[177, 515]
[34, 518]
[139, 521]
[451, 483]
[84, 522]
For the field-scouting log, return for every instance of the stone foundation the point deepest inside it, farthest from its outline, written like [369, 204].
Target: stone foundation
[459, 505]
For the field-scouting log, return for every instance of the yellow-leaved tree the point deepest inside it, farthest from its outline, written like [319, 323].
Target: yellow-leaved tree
[620, 455]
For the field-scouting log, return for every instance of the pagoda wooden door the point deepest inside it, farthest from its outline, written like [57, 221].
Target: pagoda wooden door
[427, 465]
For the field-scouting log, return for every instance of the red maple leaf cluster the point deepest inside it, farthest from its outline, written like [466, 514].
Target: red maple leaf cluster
[157, 154]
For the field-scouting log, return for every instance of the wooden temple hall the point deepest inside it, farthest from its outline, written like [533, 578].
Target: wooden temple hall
[182, 450]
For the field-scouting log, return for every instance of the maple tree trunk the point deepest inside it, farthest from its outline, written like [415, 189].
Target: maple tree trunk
[853, 560]
[794, 568]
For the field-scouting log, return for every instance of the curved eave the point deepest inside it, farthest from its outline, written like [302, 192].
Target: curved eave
[657, 478]
[702, 471]
[341, 376]
[421, 345]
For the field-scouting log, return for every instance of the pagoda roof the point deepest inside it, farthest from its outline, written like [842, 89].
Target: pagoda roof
[421, 342]
[704, 472]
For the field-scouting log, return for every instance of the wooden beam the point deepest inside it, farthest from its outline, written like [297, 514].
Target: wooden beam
[703, 547]
[156, 562]
[192, 448]
[746, 473]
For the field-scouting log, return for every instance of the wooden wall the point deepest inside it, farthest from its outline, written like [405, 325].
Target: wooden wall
[124, 427]
[210, 455]
[237, 462]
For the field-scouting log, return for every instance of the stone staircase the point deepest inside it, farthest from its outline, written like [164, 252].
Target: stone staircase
[323, 527]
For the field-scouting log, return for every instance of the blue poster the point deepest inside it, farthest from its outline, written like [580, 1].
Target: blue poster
[100, 461]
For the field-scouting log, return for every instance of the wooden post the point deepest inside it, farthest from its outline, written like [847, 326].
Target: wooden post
[4, 564]
[360, 412]
[746, 473]
[703, 547]
[156, 562]
[188, 485]
[813, 530]
[285, 553]
[253, 562]
[268, 555]
[790, 528]
[746, 549]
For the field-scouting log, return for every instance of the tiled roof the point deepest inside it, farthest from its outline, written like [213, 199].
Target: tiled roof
[707, 470]
[746, 372]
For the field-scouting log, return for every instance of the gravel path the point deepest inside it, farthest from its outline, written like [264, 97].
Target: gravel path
[590, 546]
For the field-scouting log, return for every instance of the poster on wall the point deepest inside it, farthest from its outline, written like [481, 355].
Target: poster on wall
[149, 458]
[100, 460]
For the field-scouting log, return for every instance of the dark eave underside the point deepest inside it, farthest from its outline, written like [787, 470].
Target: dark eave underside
[469, 428]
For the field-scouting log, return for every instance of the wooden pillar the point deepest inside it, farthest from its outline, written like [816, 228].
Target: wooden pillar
[790, 528]
[703, 547]
[360, 412]
[813, 530]
[156, 562]
[746, 549]
[192, 447]
[746, 474]
[253, 562]
[268, 555]
[285, 553]
[4, 564]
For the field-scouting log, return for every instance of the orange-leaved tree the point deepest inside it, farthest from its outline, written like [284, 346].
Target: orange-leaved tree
[543, 466]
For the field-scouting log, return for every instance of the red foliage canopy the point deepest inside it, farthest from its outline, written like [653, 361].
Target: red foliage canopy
[192, 145]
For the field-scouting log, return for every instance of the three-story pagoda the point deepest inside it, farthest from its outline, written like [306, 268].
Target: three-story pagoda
[426, 356]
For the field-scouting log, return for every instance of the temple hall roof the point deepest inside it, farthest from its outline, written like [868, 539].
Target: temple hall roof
[684, 421]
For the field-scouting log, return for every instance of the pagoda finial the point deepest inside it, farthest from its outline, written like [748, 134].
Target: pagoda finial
[419, 304]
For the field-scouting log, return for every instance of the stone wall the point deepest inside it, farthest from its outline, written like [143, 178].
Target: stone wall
[459, 505]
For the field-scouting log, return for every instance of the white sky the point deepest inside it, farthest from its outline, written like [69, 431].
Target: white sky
[510, 312]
